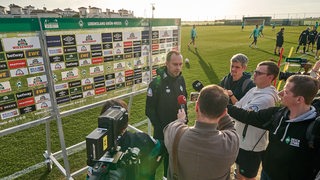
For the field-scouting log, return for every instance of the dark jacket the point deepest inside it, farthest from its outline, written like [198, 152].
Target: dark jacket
[280, 37]
[162, 104]
[240, 87]
[288, 155]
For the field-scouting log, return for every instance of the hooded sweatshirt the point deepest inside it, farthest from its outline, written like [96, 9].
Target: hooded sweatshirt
[288, 155]
[252, 138]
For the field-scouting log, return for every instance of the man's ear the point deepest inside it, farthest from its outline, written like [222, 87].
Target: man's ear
[300, 99]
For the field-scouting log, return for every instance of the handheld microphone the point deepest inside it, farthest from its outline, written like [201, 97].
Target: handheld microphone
[197, 85]
[182, 101]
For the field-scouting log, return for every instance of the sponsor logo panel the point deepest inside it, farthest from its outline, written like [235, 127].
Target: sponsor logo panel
[7, 98]
[5, 107]
[4, 74]
[24, 94]
[53, 41]
[43, 105]
[57, 66]
[21, 43]
[88, 39]
[58, 58]
[27, 109]
[72, 74]
[33, 53]
[19, 72]
[42, 98]
[37, 81]
[35, 61]
[36, 69]
[26, 102]
[41, 91]
[15, 55]
[9, 114]
[17, 64]
[68, 40]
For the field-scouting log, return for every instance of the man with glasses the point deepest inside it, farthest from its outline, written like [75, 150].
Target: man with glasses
[289, 154]
[253, 141]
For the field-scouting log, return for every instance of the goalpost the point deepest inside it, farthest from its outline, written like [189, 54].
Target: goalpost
[254, 21]
[262, 20]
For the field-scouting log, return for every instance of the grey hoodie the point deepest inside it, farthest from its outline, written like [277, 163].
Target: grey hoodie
[255, 139]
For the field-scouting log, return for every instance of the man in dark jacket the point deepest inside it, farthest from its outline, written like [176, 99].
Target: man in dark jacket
[162, 104]
[289, 155]
[279, 42]
[303, 39]
[238, 81]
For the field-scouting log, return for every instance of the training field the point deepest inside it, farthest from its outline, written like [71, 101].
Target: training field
[216, 45]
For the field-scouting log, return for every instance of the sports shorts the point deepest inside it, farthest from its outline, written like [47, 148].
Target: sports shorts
[249, 162]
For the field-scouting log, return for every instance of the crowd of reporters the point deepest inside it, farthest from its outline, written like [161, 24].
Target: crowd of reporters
[208, 149]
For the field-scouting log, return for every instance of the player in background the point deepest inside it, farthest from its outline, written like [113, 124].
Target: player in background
[255, 33]
[193, 37]
[279, 42]
[311, 38]
[261, 30]
[303, 38]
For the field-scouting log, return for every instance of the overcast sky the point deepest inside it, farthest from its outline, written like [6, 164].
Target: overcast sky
[188, 10]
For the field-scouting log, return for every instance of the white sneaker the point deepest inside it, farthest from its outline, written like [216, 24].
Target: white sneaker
[164, 178]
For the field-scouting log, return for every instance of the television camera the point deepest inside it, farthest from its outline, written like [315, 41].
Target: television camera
[303, 64]
[103, 152]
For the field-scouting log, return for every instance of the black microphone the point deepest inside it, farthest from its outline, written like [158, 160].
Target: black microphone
[197, 85]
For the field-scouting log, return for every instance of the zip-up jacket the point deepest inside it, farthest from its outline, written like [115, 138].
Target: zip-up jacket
[162, 100]
[288, 155]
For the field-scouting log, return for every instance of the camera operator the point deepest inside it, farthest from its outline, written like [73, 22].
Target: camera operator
[290, 154]
[149, 151]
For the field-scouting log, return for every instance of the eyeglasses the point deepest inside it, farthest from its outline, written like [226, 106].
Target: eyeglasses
[258, 73]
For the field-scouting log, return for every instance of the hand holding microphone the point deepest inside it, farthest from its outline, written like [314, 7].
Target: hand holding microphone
[182, 101]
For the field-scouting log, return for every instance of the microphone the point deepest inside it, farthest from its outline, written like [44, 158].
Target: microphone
[197, 85]
[182, 101]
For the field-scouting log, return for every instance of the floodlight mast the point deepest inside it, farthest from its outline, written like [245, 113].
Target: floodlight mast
[153, 8]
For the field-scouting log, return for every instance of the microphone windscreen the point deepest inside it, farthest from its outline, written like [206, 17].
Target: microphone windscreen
[182, 100]
[197, 85]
